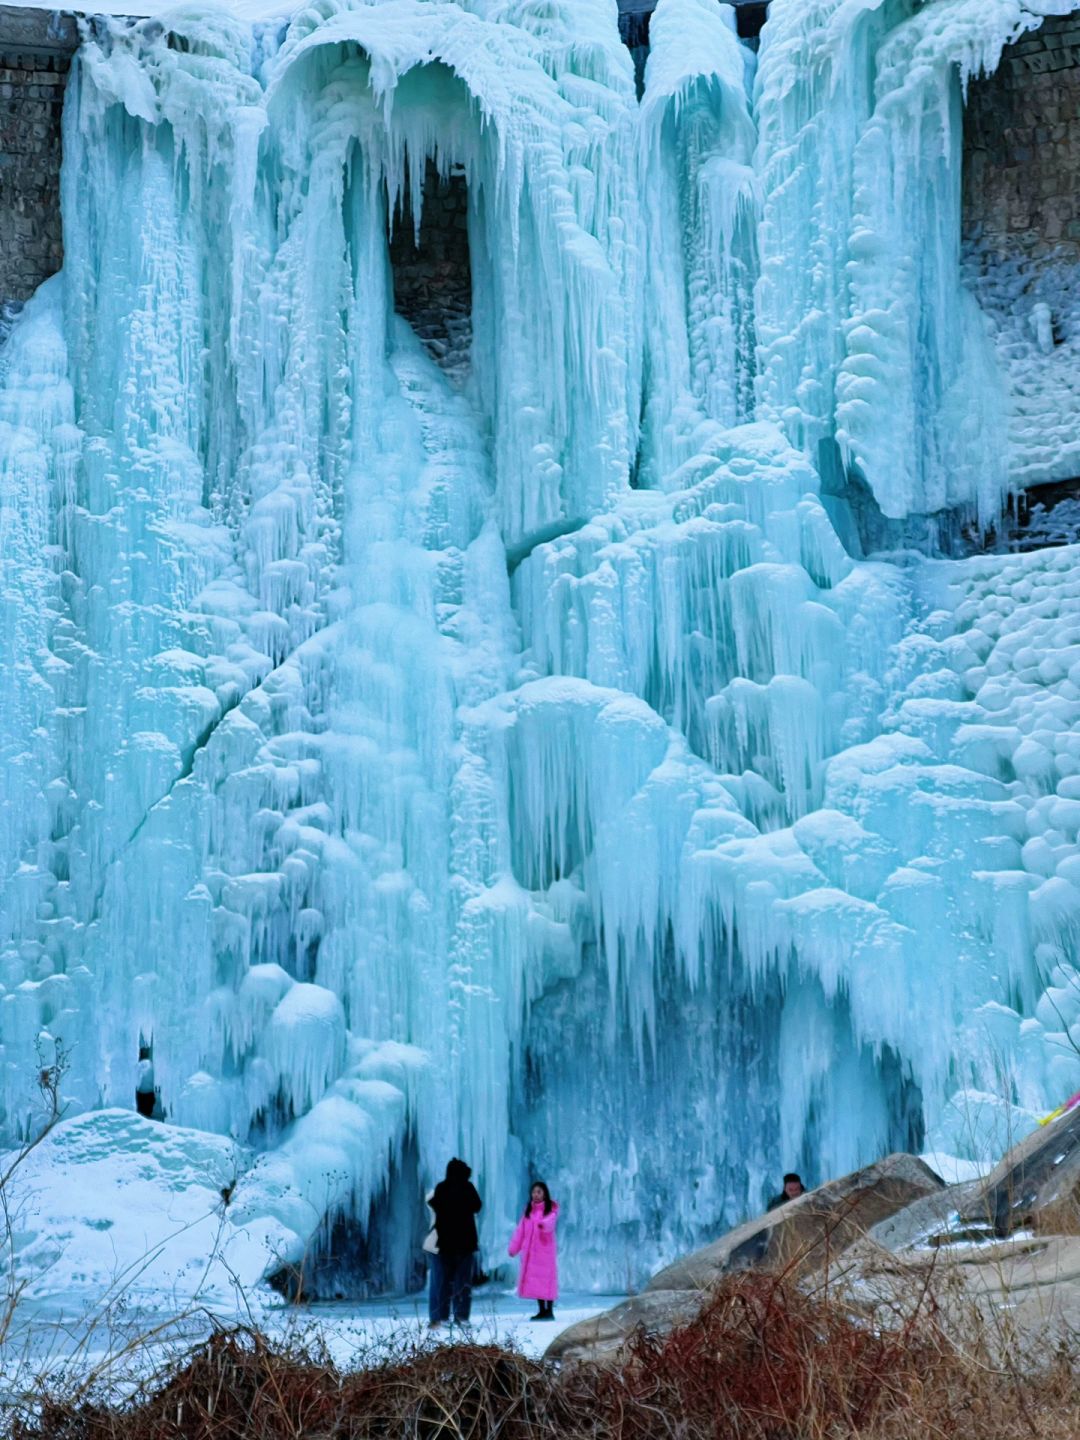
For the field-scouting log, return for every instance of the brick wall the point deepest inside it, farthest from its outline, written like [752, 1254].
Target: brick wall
[35, 55]
[31, 246]
[1022, 146]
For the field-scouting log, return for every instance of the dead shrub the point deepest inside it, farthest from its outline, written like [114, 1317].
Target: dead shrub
[762, 1361]
[1060, 1218]
[236, 1386]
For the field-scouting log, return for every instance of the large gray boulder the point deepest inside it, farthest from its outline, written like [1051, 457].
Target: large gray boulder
[1000, 1255]
[1016, 1300]
[800, 1237]
[927, 1222]
[804, 1234]
[1036, 1184]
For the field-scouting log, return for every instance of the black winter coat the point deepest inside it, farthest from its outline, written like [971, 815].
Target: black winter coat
[456, 1203]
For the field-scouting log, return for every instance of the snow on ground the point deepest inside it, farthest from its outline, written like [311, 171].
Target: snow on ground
[71, 1338]
[952, 1169]
[112, 1205]
[498, 1317]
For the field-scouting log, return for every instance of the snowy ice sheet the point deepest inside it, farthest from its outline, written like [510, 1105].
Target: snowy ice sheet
[119, 1207]
[953, 1170]
[520, 762]
[70, 1341]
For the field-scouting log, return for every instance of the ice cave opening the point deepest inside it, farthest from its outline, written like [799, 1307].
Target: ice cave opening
[431, 268]
[355, 1256]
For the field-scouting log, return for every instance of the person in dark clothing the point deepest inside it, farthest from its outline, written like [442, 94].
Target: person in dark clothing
[793, 1188]
[456, 1205]
[145, 1095]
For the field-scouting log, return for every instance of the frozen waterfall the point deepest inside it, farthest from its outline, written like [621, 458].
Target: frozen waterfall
[486, 736]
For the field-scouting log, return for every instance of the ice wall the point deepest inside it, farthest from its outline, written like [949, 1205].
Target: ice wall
[515, 762]
[875, 346]
[696, 140]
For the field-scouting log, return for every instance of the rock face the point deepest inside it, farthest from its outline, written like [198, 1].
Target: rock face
[802, 1236]
[925, 1222]
[1035, 1182]
[123, 1211]
[1016, 1294]
[35, 55]
[885, 1234]
[1016, 1300]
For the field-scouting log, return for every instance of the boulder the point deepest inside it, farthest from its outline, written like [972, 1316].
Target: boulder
[931, 1221]
[601, 1337]
[805, 1233]
[800, 1237]
[1017, 1300]
[1036, 1184]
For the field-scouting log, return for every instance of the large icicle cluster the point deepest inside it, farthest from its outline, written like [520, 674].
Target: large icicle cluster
[516, 763]
[873, 345]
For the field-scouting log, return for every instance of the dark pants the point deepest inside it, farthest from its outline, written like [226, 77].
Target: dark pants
[144, 1103]
[451, 1288]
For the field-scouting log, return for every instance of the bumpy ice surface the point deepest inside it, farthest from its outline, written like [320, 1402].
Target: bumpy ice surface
[519, 764]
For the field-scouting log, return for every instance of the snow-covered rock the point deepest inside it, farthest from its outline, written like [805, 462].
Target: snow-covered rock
[111, 1207]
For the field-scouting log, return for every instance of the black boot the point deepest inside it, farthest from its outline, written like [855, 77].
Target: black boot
[540, 1314]
[547, 1310]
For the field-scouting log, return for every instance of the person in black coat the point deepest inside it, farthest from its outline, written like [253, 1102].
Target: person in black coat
[793, 1188]
[456, 1205]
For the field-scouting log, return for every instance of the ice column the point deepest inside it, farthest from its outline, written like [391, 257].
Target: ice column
[869, 339]
[696, 141]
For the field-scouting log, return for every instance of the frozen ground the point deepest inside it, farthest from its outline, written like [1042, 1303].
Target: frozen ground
[498, 1316]
[124, 1252]
[74, 1343]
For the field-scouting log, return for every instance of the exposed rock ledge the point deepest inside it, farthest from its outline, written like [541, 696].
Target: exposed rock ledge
[876, 1231]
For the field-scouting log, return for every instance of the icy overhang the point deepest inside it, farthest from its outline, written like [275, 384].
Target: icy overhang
[35, 31]
[750, 16]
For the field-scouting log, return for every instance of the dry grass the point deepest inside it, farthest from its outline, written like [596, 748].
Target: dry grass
[763, 1361]
[1060, 1218]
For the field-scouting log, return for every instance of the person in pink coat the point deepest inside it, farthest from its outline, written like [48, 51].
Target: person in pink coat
[534, 1241]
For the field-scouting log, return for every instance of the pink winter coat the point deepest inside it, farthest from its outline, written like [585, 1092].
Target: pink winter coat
[534, 1241]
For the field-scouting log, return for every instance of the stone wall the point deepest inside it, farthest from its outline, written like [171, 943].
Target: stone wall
[1021, 256]
[35, 56]
[1022, 146]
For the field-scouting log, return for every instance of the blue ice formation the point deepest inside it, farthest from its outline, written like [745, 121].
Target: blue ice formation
[685, 847]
